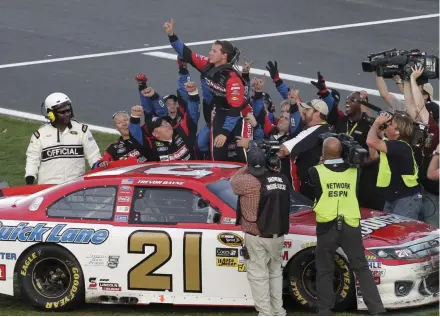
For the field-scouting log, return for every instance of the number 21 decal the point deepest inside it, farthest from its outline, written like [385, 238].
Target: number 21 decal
[142, 276]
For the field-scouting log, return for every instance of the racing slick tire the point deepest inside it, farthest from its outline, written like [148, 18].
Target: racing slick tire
[302, 281]
[50, 278]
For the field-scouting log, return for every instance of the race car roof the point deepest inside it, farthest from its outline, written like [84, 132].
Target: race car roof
[202, 171]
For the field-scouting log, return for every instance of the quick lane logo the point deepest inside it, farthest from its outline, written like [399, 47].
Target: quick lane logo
[41, 233]
[62, 151]
[375, 223]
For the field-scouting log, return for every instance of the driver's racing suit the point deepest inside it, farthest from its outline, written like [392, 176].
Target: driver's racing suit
[229, 100]
[55, 157]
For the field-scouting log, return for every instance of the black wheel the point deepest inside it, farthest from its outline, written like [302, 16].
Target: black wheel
[50, 278]
[302, 281]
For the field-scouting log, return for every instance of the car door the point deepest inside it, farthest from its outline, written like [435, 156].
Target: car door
[178, 252]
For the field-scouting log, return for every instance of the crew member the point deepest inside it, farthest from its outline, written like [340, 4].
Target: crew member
[228, 89]
[433, 169]
[398, 171]
[263, 212]
[306, 147]
[167, 143]
[123, 148]
[338, 225]
[56, 151]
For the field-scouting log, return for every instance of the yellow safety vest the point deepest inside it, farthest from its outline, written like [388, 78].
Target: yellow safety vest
[338, 196]
[384, 175]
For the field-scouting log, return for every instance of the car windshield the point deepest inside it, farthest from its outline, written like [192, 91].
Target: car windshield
[223, 190]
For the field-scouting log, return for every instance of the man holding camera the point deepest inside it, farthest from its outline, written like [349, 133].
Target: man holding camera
[338, 225]
[263, 212]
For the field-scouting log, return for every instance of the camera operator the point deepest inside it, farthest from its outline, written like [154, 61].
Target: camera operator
[263, 212]
[398, 171]
[356, 123]
[338, 225]
[306, 146]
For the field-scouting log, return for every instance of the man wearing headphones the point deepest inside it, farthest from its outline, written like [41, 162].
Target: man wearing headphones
[57, 149]
[228, 89]
[263, 212]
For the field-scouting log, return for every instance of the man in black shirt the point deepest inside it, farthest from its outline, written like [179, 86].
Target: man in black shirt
[356, 124]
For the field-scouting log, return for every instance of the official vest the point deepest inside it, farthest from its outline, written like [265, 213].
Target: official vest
[384, 175]
[338, 196]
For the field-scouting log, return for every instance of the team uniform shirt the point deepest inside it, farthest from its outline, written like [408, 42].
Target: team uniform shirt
[121, 150]
[55, 157]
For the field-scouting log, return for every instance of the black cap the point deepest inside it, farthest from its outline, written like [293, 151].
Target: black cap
[154, 123]
[256, 161]
[173, 97]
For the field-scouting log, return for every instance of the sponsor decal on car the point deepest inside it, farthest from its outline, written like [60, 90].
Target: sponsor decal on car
[308, 245]
[8, 256]
[370, 257]
[2, 272]
[123, 209]
[121, 218]
[101, 260]
[374, 265]
[124, 199]
[73, 291]
[371, 224]
[158, 182]
[227, 261]
[287, 244]
[229, 221]
[127, 181]
[230, 239]
[378, 273]
[113, 261]
[285, 255]
[109, 287]
[42, 233]
[125, 189]
[226, 252]
[241, 267]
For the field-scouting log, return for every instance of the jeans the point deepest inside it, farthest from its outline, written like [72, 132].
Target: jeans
[410, 206]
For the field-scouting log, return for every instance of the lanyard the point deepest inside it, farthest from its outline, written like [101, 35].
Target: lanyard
[352, 129]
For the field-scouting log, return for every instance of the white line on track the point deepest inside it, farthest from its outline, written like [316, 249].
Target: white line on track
[242, 38]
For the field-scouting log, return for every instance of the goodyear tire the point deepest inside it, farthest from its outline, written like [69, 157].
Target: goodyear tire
[50, 278]
[302, 281]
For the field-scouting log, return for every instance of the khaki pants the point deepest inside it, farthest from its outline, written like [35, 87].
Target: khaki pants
[265, 274]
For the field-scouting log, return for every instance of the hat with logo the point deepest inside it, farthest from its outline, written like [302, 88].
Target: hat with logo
[316, 104]
[154, 123]
[172, 97]
[256, 161]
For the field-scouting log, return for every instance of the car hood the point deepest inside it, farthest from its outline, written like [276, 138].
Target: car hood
[378, 228]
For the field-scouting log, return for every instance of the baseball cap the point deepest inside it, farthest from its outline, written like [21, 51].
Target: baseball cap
[316, 104]
[173, 97]
[429, 89]
[154, 123]
[256, 161]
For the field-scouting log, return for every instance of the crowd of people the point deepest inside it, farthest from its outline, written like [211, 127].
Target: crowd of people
[236, 110]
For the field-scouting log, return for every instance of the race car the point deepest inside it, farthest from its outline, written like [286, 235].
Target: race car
[166, 233]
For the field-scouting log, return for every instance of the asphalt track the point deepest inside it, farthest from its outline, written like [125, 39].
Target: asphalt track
[100, 85]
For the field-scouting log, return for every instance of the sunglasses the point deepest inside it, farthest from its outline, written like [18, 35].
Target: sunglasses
[119, 112]
[65, 112]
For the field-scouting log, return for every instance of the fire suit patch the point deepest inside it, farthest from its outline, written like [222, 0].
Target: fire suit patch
[62, 151]
[37, 134]
[84, 128]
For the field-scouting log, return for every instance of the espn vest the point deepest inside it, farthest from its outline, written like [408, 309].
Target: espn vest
[338, 196]
[384, 175]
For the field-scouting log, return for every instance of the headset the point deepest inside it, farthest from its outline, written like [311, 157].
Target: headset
[61, 100]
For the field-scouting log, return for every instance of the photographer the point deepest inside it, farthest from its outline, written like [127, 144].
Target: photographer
[398, 171]
[338, 225]
[306, 146]
[263, 212]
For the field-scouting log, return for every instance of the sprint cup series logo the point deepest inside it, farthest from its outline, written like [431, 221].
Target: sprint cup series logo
[57, 234]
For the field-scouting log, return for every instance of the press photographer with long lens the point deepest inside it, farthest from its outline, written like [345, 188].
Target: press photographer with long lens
[398, 170]
[338, 225]
[263, 212]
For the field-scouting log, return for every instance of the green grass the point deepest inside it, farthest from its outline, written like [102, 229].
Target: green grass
[14, 139]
